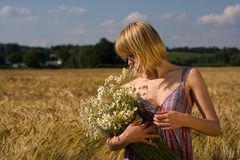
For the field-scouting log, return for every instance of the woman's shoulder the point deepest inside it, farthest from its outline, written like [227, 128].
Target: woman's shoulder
[137, 84]
[194, 76]
[132, 83]
[193, 72]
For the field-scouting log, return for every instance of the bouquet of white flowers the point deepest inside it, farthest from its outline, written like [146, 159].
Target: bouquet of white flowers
[110, 112]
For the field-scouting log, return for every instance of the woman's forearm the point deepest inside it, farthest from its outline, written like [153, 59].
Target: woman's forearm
[116, 143]
[206, 126]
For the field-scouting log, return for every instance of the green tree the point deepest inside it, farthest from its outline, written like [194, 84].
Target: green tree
[2, 61]
[34, 58]
[62, 51]
[106, 53]
[235, 60]
[14, 58]
[88, 57]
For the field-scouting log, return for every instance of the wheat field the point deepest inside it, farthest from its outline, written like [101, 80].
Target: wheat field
[39, 114]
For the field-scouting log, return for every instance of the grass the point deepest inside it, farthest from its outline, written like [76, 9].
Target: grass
[39, 115]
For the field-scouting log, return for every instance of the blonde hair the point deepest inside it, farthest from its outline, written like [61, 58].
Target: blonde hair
[142, 41]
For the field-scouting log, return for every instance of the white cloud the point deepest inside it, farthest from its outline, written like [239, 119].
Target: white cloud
[166, 16]
[75, 40]
[30, 19]
[7, 11]
[230, 15]
[135, 16]
[108, 23]
[79, 31]
[17, 14]
[39, 43]
[181, 17]
[76, 32]
[173, 16]
[66, 9]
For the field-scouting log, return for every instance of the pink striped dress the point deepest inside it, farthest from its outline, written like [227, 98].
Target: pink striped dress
[179, 140]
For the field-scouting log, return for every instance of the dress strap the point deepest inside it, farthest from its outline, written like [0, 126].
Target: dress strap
[184, 73]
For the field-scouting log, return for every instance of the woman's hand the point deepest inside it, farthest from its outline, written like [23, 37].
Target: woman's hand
[168, 119]
[139, 133]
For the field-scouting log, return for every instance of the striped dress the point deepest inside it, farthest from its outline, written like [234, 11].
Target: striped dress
[179, 140]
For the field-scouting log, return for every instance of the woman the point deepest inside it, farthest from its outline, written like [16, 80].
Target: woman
[171, 88]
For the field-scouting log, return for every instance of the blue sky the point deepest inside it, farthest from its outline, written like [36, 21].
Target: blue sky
[179, 22]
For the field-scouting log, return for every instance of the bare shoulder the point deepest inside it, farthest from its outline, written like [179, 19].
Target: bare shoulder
[194, 77]
[131, 83]
[194, 72]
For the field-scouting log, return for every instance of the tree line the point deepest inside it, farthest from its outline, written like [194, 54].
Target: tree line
[102, 54]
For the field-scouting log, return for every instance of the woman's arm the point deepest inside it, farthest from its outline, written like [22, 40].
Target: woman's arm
[116, 143]
[132, 134]
[209, 124]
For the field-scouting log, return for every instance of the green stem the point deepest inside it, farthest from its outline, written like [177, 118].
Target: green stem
[147, 152]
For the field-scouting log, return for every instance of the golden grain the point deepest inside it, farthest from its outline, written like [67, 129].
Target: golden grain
[39, 115]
